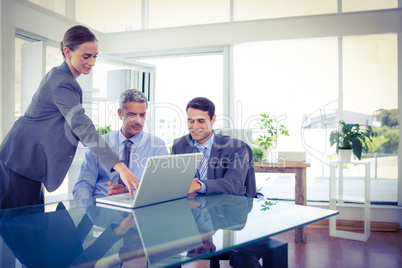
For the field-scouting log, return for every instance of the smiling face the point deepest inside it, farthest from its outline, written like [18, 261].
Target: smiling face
[199, 125]
[133, 117]
[82, 59]
[206, 247]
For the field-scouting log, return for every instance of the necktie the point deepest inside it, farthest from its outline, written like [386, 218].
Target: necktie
[203, 167]
[126, 160]
[127, 145]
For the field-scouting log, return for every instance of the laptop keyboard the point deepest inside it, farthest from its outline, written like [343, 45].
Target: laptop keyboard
[126, 198]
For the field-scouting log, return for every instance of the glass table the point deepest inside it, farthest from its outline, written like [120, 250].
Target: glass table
[85, 234]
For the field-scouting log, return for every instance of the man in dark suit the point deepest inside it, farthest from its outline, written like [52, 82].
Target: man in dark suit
[229, 212]
[215, 212]
[226, 160]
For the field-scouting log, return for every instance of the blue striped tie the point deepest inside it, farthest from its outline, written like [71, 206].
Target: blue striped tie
[203, 167]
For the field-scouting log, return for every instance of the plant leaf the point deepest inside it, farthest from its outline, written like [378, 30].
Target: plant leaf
[357, 148]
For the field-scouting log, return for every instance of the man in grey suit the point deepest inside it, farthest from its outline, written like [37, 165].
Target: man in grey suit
[226, 162]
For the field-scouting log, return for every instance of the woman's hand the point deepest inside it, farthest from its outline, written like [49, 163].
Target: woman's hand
[129, 179]
[125, 224]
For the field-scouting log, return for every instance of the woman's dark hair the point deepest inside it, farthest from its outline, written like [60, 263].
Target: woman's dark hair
[202, 104]
[76, 36]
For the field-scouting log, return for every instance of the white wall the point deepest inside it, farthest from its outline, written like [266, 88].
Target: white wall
[7, 66]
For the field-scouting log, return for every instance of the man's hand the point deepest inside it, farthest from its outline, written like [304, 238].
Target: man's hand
[116, 188]
[129, 179]
[191, 195]
[194, 203]
[195, 187]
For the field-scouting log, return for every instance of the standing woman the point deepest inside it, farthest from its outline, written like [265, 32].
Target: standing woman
[41, 145]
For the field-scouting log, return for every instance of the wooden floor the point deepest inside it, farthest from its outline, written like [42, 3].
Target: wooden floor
[383, 250]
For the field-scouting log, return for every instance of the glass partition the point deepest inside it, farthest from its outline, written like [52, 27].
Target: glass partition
[297, 82]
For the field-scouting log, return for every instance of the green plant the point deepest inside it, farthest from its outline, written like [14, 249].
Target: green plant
[273, 128]
[267, 204]
[258, 154]
[104, 130]
[389, 117]
[385, 140]
[352, 136]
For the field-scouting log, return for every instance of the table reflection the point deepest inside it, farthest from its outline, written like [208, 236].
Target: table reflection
[39, 239]
[151, 236]
[212, 213]
[230, 213]
[89, 235]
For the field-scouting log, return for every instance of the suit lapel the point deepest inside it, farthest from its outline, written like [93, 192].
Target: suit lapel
[188, 149]
[216, 152]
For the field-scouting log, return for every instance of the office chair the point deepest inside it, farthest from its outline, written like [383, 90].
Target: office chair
[250, 184]
[278, 254]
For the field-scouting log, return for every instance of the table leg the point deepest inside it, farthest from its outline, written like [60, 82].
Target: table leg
[300, 199]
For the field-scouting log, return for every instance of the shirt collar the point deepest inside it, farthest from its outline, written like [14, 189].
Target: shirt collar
[135, 139]
[208, 143]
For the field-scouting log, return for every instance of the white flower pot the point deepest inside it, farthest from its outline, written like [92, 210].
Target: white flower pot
[344, 155]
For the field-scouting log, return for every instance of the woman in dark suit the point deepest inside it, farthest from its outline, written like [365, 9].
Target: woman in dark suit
[41, 145]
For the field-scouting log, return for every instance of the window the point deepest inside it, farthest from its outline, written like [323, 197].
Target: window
[178, 80]
[297, 81]
[109, 16]
[172, 13]
[262, 9]
[360, 5]
[371, 97]
[126, 15]
[293, 80]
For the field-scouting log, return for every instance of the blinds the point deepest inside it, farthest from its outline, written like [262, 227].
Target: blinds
[121, 80]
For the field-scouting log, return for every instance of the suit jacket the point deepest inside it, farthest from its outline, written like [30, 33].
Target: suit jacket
[41, 144]
[226, 211]
[229, 165]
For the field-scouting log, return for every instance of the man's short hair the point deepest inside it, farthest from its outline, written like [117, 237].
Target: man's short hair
[202, 104]
[132, 95]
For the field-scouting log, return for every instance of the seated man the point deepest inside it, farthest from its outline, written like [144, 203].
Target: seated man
[226, 161]
[229, 212]
[95, 179]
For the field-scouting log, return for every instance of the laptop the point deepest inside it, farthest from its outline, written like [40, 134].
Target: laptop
[165, 178]
[166, 230]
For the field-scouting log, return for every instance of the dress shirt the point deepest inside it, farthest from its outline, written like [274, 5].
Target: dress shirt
[208, 147]
[94, 176]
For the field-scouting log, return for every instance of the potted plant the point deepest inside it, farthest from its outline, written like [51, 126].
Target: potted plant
[258, 154]
[104, 130]
[350, 138]
[273, 128]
